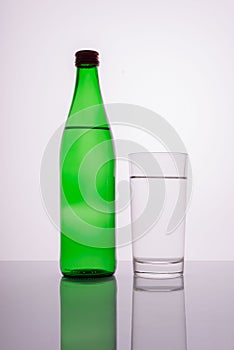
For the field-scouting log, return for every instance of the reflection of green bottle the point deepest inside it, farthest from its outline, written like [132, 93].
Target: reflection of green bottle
[88, 314]
[87, 179]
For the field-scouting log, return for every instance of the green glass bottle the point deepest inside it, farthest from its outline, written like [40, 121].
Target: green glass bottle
[88, 313]
[87, 170]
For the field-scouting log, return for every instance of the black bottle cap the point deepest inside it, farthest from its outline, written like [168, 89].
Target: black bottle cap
[86, 57]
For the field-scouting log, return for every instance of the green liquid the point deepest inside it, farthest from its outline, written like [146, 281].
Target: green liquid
[87, 203]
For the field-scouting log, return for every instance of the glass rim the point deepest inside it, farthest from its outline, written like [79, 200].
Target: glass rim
[169, 153]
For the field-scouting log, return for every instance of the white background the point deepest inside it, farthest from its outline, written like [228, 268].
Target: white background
[174, 57]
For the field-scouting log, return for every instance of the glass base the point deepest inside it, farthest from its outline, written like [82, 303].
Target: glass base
[158, 268]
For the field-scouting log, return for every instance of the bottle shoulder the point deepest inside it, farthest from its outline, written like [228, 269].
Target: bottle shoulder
[93, 116]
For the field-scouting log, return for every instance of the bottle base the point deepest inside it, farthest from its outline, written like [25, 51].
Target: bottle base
[94, 273]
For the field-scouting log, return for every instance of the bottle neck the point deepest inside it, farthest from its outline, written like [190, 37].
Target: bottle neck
[87, 91]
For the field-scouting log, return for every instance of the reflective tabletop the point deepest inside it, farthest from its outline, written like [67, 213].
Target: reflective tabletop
[42, 310]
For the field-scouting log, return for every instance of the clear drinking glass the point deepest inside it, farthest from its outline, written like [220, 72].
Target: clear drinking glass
[158, 203]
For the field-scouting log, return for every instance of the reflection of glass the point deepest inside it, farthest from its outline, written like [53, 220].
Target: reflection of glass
[88, 314]
[158, 320]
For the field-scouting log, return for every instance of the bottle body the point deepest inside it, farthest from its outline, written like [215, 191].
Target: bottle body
[87, 197]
